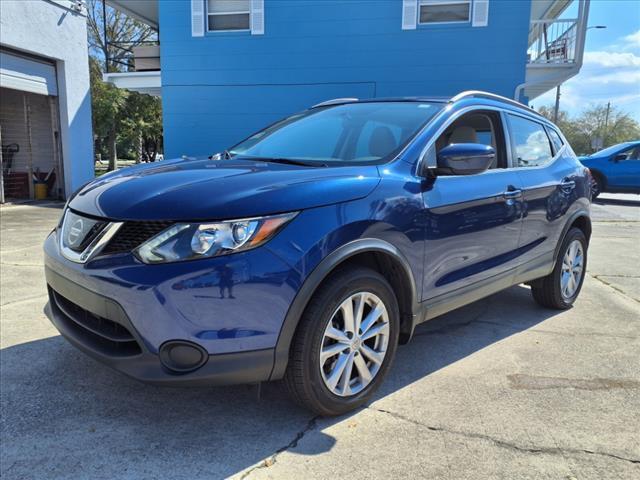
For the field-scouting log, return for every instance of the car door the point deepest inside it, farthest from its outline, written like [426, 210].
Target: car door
[548, 176]
[624, 169]
[473, 222]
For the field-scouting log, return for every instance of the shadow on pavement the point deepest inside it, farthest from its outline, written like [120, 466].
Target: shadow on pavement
[67, 415]
[617, 201]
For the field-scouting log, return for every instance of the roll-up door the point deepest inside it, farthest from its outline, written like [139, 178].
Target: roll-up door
[27, 74]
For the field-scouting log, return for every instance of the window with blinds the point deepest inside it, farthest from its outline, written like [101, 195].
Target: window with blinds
[226, 15]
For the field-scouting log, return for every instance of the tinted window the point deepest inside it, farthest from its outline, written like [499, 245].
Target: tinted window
[532, 147]
[356, 132]
[632, 154]
[609, 151]
[476, 127]
[485, 137]
[443, 11]
[555, 139]
[366, 145]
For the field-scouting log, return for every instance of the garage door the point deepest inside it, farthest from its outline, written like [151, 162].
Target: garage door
[27, 74]
[28, 129]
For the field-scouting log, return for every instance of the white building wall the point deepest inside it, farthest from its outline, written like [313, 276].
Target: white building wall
[55, 30]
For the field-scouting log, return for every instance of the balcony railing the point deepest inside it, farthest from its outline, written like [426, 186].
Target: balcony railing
[134, 57]
[553, 41]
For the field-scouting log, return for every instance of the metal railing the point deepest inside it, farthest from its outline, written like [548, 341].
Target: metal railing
[134, 56]
[553, 41]
[128, 56]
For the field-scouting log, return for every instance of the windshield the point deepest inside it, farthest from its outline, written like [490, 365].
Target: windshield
[610, 150]
[353, 133]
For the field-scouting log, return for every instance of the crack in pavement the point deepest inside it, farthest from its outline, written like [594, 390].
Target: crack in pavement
[505, 444]
[583, 334]
[22, 264]
[615, 276]
[24, 300]
[269, 461]
[619, 290]
[521, 381]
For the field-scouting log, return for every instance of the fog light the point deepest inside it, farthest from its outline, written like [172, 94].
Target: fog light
[180, 356]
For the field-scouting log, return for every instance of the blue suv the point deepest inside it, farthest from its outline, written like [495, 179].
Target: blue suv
[615, 169]
[310, 250]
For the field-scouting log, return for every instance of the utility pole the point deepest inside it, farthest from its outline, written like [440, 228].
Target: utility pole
[606, 124]
[556, 111]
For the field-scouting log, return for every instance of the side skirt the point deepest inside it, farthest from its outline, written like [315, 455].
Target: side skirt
[534, 269]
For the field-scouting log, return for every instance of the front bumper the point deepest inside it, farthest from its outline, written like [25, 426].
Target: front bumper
[138, 362]
[122, 312]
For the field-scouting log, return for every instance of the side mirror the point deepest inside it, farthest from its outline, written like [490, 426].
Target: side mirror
[620, 156]
[465, 158]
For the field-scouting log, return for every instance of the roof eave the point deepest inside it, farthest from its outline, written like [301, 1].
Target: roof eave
[145, 11]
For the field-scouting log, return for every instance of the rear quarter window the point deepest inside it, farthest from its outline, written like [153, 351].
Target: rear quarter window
[555, 139]
[531, 144]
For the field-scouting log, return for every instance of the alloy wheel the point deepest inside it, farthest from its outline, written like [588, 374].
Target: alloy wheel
[354, 344]
[595, 187]
[572, 269]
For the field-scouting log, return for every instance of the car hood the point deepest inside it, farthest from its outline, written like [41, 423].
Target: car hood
[205, 189]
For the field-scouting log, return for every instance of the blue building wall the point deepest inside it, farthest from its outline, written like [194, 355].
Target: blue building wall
[219, 88]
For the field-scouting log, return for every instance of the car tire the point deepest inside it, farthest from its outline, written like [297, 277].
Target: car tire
[311, 372]
[596, 186]
[560, 289]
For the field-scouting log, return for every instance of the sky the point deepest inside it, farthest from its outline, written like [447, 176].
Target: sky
[611, 67]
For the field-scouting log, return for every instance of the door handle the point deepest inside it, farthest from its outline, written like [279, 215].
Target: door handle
[511, 194]
[567, 184]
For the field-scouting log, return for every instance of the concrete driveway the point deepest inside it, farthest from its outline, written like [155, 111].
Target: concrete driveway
[499, 389]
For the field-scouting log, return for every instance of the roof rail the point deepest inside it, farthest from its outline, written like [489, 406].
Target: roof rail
[490, 96]
[335, 101]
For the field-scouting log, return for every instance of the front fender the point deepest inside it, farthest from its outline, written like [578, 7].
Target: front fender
[317, 276]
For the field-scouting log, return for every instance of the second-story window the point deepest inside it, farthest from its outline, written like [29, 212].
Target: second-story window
[444, 11]
[224, 15]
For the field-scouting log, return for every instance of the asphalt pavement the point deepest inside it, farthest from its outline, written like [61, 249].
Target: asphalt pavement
[499, 389]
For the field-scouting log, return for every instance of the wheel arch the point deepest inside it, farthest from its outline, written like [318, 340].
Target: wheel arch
[373, 253]
[596, 173]
[579, 219]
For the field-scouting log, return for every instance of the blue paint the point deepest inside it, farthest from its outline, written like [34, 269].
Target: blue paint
[617, 168]
[447, 233]
[220, 88]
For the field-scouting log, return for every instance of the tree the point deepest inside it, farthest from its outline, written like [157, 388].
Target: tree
[107, 104]
[120, 117]
[141, 124]
[613, 127]
[122, 32]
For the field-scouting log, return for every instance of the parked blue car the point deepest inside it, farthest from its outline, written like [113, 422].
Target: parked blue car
[615, 169]
[311, 249]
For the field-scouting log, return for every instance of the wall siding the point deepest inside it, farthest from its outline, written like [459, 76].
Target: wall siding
[219, 88]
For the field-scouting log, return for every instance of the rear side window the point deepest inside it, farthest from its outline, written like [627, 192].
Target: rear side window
[530, 142]
[555, 140]
[631, 154]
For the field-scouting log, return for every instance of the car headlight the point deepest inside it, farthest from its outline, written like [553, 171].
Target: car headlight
[190, 241]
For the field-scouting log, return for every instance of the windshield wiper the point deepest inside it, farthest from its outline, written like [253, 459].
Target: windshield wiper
[288, 161]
